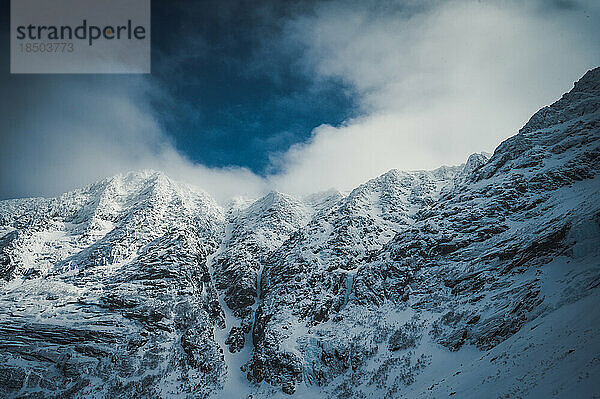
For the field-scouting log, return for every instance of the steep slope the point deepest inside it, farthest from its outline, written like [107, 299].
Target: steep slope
[109, 292]
[510, 242]
[252, 233]
[310, 276]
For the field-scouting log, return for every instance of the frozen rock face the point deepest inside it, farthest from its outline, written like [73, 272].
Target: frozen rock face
[309, 278]
[477, 281]
[252, 233]
[516, 213]
[353, 301]
[507, 245]
[109, 294]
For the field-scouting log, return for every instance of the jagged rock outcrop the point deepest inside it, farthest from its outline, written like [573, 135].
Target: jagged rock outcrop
[109, 292]
[252, 233]
[310, 276]
[473, 252]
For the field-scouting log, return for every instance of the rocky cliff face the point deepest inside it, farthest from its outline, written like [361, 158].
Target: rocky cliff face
[309, 278]
[107, 292]
[473, 280]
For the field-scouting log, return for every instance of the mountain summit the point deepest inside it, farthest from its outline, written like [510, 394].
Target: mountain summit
[477, 281]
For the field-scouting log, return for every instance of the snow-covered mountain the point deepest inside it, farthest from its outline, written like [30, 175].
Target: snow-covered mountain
[473, 281]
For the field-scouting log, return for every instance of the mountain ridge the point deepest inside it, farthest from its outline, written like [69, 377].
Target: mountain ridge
[411, 285]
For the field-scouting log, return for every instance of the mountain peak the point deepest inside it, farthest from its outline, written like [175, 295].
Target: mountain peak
[589, 83]
[582, 102]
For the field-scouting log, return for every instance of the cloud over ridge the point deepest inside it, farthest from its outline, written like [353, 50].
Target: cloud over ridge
[435, 82]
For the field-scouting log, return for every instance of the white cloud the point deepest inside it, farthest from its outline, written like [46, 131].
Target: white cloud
[436, 84]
